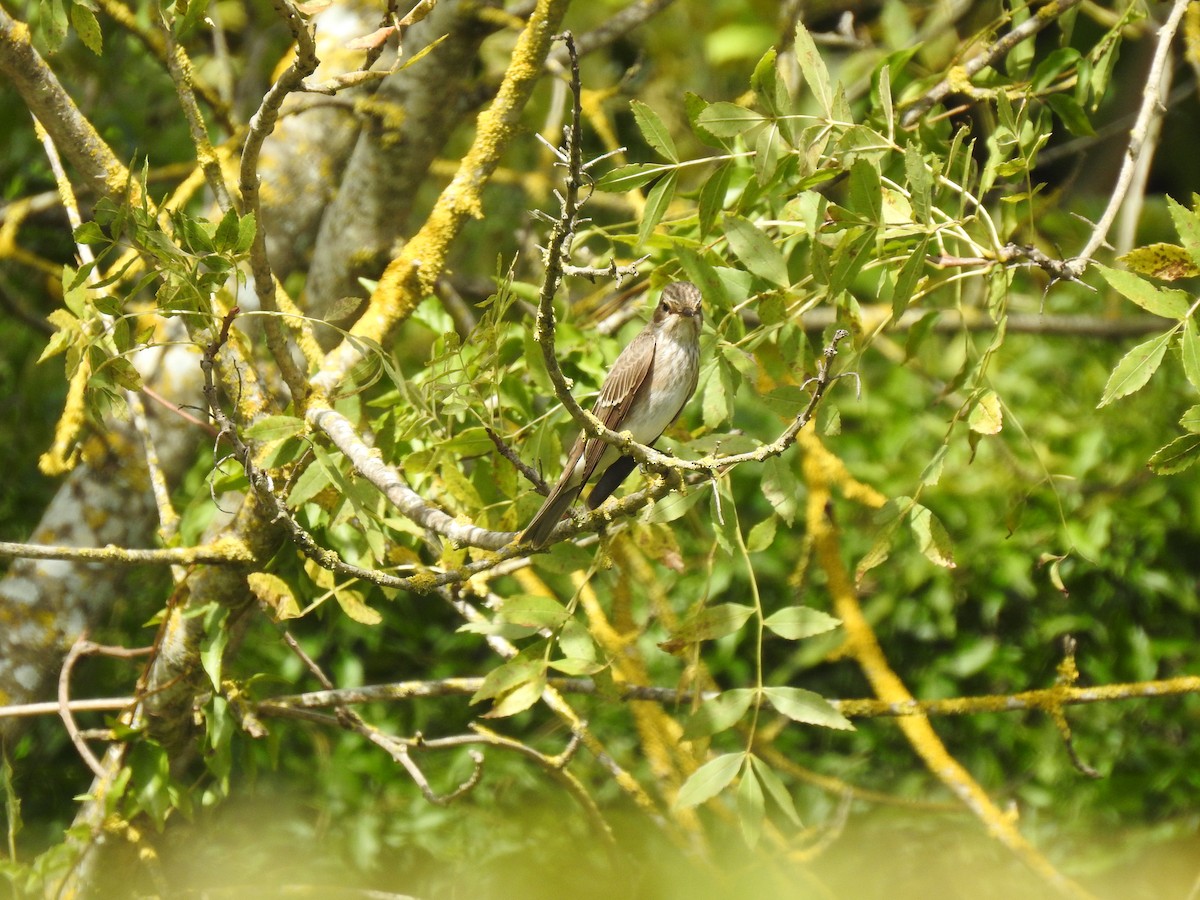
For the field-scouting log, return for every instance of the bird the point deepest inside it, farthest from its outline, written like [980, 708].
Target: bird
[645, 391]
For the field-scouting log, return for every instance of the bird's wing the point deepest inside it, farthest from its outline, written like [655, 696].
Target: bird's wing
[628, 375]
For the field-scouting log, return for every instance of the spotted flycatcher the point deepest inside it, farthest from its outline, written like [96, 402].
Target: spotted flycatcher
[643, 393]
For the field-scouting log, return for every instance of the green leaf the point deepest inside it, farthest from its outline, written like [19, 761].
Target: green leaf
[54, 21]
[245, 235]
[866, 192]
[90, 233]
[761, 536]
[673, 507]
[1178, 455]
[1168, 304]
[627, 178]
[575, 667]
[575, 641]
[519, 699]
[519, 670]
[776, 789]
[726, 120]
[654, 130]
[564, 557]
[932, 538]
[1135, 368]
[712, 197]
[780, 487]
[750, 806]
[226, 236]
[755, 250]
[804, 706]
[656, 206]
[1067, 108]
[121, 371]
[769, 149]
[695, 105]
[193, 12]
[469, 443]
[719, 388]
[816, 75]
[906, 281]
[534, 611]
[213, 643]
[719, 713]
[764, 81]
[920, 181]
[1057, 63]
[1187, 223]
[311, 482]
[709, 780]
[794, 623]
[1189, 346]
[1190, 420]
[274, 428]
[706, 624]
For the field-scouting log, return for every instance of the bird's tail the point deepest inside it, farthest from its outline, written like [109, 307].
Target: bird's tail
[537, 532]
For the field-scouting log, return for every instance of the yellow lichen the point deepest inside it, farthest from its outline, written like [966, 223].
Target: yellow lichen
[63, 454]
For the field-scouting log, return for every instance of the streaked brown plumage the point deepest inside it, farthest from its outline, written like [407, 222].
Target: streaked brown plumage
[645, 391]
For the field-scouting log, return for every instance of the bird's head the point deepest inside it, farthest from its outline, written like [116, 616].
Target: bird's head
[679, 307]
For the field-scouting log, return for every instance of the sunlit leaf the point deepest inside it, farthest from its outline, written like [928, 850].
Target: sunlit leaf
[1135, 368]
[816, 75]
[755, 250]
[795, 623]
[1169, 304]
[932, 538]
[804, 706]
[657, 201]
[750, 807]
[708, 623]
[709, 780]
[776, 789]
[986, 416]
[719, 713]
[275, 593]
[729, 120]
[654, 130]
[1178, 455]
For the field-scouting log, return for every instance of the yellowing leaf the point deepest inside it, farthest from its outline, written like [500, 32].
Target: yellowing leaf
[275, 593]
[986, 416]
[1166, 261]
[352, 604]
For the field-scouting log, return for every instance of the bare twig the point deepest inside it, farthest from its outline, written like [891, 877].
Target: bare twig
[1158, 82]
[1041, 699]
[262, 123]
[225, 553]
[538, 482]
[81, 646]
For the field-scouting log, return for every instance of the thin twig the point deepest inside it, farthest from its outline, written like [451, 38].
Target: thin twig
[81, 647]
[1157, 81]
[1041, 699]
[262, 123]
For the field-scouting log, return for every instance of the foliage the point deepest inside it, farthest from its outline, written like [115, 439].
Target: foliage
[989, 483]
